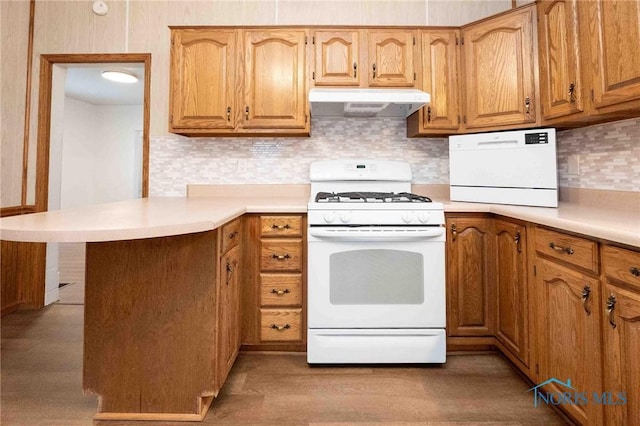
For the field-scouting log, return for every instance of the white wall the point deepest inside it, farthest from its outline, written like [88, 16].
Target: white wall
[99, 153]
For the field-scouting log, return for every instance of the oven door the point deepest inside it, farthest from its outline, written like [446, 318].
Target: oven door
[360, 278]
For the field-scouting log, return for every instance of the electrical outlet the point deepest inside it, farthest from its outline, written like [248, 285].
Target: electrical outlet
[574, 165]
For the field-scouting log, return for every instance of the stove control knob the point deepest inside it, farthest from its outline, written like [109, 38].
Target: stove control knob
[424, 217]
[329, 217]
[408, 217]
[345, 217]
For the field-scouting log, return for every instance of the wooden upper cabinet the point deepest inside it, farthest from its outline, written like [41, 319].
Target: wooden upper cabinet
[440, 79]
[336, 55]
[391, 56]
[203, 79]
[560, 58]
[613, 29]
[499, 67]
[274, 84]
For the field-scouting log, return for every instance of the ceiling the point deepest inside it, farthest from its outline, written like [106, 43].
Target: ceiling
[84, 83]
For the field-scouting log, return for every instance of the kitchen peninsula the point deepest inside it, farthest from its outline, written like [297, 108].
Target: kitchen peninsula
[152, 273]
[151, 292]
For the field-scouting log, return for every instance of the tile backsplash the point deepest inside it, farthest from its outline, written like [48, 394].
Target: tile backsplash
[176, 162]
[608, 155]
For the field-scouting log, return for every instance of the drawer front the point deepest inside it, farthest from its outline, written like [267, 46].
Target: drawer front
[281, 255]
[576, 251]
[231, 235]
[280, 289]
[281, 226]
[622, 265]
[280, 325]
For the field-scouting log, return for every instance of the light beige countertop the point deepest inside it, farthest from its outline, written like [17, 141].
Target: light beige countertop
[165, 216]
[141, 218]
[617, 225]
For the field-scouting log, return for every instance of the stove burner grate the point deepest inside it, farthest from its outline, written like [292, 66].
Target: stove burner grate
[370, 197]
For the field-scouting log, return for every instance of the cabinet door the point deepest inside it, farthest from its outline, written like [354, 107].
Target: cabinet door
[511, 286]
[391, 58]
[229, 325]
[274, 80]
[621, 349]
[615, 36]
[336, 58]
[440, 79]
[499, 69]
[569, 335]
[559, 50]
[203, 79]
[470, 304]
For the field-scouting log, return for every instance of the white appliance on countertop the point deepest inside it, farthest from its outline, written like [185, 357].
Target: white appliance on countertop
[514, 167]
[376, 266]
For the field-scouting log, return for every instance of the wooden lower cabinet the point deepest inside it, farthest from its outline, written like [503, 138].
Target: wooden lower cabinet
[621, 335]
[512, 310]
[229, 321]
[470, 292]
[568, 334]
[273, 288]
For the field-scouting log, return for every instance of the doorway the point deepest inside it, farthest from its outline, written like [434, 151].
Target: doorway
[90, 149]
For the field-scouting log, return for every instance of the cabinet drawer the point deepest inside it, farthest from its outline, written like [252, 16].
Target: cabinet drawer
[281, 255]
[280, 289]
[230, 234]
[622, 265]
[281, 226]
[280, 325]
[576, 251]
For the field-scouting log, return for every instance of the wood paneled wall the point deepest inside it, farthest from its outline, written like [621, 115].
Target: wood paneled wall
[14, 36]
[140, 26]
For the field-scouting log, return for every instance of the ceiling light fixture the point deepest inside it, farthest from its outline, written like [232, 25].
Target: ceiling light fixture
[121, 76]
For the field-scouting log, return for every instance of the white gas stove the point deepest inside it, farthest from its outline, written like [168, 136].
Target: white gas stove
[376, 290]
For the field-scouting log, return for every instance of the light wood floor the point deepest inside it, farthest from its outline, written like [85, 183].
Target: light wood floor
[41, 384]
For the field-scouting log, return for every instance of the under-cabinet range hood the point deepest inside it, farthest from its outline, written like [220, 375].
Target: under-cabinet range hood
[338, 102]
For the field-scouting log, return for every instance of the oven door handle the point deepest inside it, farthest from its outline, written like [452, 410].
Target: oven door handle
[371, 234]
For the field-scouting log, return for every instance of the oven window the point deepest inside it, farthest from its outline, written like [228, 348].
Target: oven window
[376, 277]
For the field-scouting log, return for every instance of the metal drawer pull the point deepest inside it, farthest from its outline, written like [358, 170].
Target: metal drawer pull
[280, 327]
[635, 271]
[518, 240]
[285, 226]
[567, 250]
[233, 235]
[611, 305]
[281, 256]
[280, 292]
[454, 232]
[586, 291]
